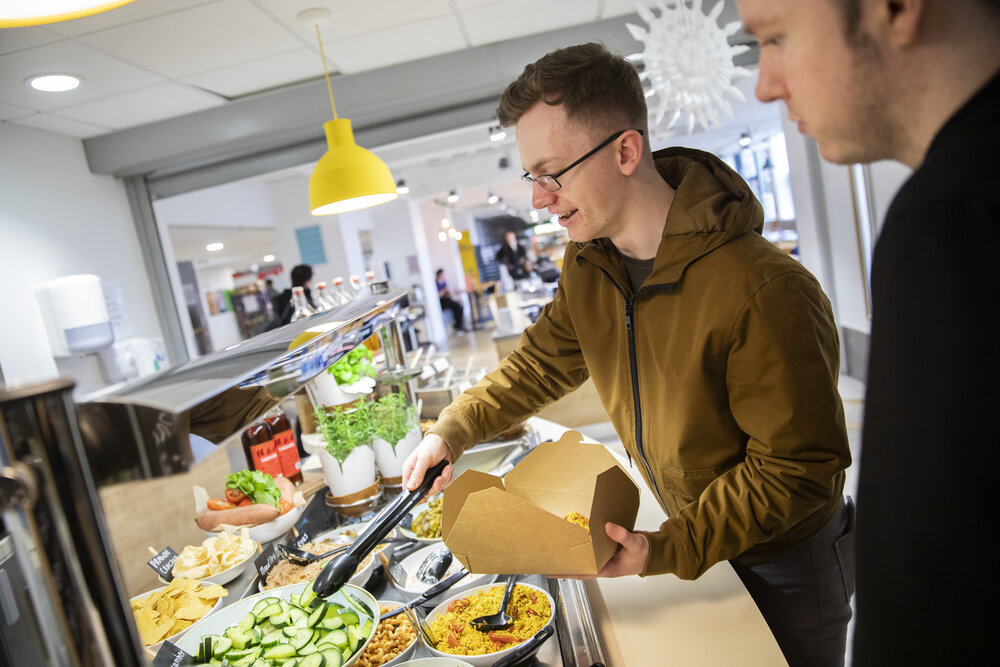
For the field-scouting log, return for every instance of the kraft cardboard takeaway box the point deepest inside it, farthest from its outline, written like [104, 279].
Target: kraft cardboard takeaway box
[515, 525]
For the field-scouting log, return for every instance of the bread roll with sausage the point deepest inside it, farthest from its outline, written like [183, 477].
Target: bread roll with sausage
[251, 515]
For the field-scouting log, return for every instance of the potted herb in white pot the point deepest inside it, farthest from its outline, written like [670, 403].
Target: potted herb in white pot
[352, 377]
[347, 457]
[397, 433]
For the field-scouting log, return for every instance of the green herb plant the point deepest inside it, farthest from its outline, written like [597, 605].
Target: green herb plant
[257, 485]
[394, 417]
[345, 430]
[353, 366]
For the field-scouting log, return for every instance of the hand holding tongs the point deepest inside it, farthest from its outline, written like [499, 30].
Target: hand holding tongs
[336, 573]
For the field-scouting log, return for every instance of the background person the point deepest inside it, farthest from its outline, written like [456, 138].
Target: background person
[714, 353]
[514, 257]
[916, 81]
[283, 307]
[448, 303]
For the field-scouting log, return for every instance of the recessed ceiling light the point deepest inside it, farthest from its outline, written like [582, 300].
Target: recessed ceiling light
[53, 83]
[214, 247]
[35, 12]
[268, 258]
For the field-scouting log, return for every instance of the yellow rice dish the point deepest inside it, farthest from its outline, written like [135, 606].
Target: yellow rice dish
[453, 634]
[578, 519]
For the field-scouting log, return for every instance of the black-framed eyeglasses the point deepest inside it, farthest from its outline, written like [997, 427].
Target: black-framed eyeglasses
[550, 182]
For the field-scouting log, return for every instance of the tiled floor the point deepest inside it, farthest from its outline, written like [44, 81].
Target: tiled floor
[581, 414]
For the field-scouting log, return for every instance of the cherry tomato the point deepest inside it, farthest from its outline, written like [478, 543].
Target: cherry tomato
[243, 503]
[235, 496]
[220, 504]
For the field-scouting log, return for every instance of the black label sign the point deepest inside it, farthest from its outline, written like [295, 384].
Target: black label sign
[302, 538]
[266, 561]
[163, 563]
[171, 656]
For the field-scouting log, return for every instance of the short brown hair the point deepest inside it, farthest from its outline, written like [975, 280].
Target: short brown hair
[592, 84]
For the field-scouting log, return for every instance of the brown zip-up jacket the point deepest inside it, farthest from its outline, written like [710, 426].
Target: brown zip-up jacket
[719, 374]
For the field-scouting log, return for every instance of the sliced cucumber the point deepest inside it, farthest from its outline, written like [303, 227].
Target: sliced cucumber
[332, 623]
[268, 611]
[354, 638]
[279, 652]
[336, 637]
[308, 649]
[332, 658]
[263, 602]
[221, 646]
[348, 616]
[314, 660]
[237, 637]
[302, 637]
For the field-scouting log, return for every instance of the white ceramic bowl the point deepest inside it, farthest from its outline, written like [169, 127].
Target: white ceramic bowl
[153, 648]
[231, 573]
[272, 530]
[230, 615]
[415, 512]
[415, 587]
[360, 577]
[490, 658]
[408, 651]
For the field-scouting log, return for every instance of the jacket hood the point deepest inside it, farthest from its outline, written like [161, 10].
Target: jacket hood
[712, 205]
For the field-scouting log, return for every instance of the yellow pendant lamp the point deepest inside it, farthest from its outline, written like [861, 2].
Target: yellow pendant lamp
[347, 177]
[36, 12]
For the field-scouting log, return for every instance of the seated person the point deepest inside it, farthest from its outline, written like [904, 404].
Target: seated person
[444, 294]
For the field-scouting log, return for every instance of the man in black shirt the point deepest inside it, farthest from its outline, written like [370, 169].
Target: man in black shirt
[282, 304]
[513, 257]
[915, 81]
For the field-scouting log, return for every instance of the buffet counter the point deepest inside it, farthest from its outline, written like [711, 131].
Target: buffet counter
[707, 622]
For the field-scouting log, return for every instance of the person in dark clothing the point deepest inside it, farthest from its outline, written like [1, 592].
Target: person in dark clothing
[514, 257]
[448, 303]
[283, 308]
[918, 82]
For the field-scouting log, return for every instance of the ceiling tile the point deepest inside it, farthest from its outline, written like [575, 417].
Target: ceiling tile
[146, 105]
[506, 20]
[397, 45]
[102, 75]
[130, 13]
[70, 128]
[350, 17]
[16, 39]
[8, 111]
[201, 39]
[262, 74]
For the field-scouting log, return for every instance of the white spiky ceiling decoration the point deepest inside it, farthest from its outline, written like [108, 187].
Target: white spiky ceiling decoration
[688, 62]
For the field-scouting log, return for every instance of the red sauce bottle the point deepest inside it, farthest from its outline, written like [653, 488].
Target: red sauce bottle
[285, 445]
[258, 448]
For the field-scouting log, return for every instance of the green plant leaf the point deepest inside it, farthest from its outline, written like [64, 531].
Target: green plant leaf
[257, 485]
[393, 418]
[344, 431]
[353, 366]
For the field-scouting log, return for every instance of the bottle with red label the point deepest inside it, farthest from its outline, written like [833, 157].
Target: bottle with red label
[259, 450]
[284, 444]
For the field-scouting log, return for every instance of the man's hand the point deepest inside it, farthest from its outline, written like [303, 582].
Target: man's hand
[430, 450]
[630, 559]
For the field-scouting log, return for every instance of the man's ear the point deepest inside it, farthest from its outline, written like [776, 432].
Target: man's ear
[902, 20]
[630, 152]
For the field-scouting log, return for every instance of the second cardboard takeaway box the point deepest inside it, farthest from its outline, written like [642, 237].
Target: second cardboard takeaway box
[515, 525]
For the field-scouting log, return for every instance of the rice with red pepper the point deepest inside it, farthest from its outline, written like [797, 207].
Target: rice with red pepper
[528, 607]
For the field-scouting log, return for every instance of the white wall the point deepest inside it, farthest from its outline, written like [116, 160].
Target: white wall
[56, 219]
[222, 327]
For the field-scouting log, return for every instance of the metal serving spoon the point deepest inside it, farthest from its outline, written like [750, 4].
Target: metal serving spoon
[302, 557]
[500, 620]
[434, 590]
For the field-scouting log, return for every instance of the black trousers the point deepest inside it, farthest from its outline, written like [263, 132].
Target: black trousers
[804, 594]
[457, 312]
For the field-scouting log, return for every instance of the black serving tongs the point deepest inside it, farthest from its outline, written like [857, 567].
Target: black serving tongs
[336, 573]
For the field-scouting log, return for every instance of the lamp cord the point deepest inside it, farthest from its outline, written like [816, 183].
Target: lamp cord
[327, 72]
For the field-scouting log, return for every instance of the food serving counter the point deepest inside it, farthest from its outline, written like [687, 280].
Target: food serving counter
[61, 460]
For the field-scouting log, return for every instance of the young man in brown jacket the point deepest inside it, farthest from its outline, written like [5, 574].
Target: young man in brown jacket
[714, 353]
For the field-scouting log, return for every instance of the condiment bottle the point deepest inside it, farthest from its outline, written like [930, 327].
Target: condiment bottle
[258, 448]
[284, 444]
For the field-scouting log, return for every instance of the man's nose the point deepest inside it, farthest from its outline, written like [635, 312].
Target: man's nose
[540, 197]
[770, 80]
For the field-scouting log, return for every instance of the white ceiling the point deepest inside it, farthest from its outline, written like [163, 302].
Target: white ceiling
[156, 59]
[153, 60]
